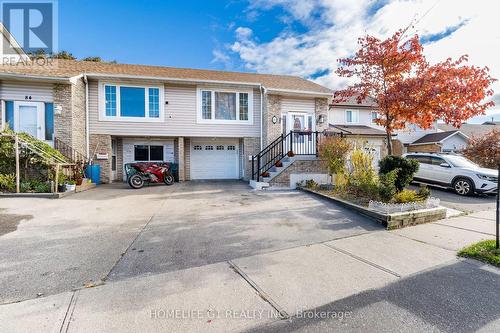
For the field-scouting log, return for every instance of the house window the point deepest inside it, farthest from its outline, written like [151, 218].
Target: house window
[197, 147]
[243, 106]
[206, 104]
[154, 102]
[9, 114]
[374, 116]
[209, 147]
[225, 106]
[231, 147]
[110, 92]
[351, 116]
[49, 121]
[146, 153]
[132, 103]
[220, 147]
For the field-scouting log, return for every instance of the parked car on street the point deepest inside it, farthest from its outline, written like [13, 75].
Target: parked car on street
[455, 172]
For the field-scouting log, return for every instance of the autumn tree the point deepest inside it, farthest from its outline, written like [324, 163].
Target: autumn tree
[485, 149]
[407, 89]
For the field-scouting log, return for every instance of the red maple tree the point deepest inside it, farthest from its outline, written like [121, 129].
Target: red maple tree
[484, 149]
[407, 89]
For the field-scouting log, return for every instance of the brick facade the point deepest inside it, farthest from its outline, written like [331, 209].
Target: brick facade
[272, 108]
[69, 125]
[181, 159]
[321, 110]
[428, 148]
[298, 167]
[251, 146]
[101, 144]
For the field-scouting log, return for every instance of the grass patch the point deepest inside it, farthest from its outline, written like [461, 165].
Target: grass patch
[484, 251]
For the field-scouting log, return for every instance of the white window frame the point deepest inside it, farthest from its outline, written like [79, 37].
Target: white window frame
[353, 112]
[118, 117]
[371, 116]
[199, 111]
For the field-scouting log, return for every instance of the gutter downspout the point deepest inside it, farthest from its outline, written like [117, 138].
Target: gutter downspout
[87, 134]
[263, 91]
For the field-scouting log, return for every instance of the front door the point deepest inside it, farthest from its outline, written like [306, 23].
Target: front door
[29, 118]
[303, 143]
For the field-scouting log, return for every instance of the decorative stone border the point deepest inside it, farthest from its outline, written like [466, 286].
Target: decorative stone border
[390, 221]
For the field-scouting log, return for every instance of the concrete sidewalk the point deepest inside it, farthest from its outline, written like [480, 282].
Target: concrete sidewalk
[403, 280]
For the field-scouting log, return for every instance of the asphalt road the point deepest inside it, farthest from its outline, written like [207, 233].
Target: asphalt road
[475, 203]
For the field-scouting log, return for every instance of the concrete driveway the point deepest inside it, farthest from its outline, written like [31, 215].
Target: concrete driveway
[113, 232]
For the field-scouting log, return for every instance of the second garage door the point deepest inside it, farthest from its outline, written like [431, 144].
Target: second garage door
[214, 159]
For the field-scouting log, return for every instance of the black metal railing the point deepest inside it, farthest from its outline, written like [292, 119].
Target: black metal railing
[72, 154]
[291, 144]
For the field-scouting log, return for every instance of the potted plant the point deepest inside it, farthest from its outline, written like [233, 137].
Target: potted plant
[70, 185]
[61, 179]
[291, 154]
[265, 174]
[278, 164]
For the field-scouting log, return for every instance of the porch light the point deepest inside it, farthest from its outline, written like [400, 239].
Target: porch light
[321, 119]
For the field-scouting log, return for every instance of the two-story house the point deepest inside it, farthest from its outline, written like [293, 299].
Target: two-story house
[209, 122]
[358, 122]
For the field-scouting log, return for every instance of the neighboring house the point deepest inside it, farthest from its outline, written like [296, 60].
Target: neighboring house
[209, 122]
[472, 130]
[357, 122]
[449, 141]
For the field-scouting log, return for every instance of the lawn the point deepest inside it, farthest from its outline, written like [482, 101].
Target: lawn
[483, 251]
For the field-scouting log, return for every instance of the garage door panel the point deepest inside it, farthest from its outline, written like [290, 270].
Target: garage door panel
[214, 163]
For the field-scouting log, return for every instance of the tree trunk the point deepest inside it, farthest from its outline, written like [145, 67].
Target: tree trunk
[389, 142]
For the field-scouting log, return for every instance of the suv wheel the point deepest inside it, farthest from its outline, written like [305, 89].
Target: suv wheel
[463, 186]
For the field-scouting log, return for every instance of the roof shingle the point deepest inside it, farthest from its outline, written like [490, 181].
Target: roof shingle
[70, 68]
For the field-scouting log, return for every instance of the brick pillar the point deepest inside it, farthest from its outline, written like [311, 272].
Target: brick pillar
[251, 146]
[273, 108]
[181, 159]
[101, 144]
[321, 109]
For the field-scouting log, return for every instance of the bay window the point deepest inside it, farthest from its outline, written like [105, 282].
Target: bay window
[122, 102]
[221, 106]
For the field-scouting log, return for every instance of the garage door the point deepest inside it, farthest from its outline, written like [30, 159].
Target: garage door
[215, 159]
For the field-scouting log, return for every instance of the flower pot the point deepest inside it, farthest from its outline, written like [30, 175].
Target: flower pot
[70, 187]
[278, 164]
[79, 181]
[291, 154]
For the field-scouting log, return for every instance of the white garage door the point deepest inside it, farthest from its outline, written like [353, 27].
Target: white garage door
[215, 159]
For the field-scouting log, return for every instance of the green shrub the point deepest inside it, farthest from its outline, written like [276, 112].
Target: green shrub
[311, 184]
[387, 188]
[363, 177]
[407, 169]
[333, 153]
[406, 196]
[423, 192]
[7, 182]
[34, 186]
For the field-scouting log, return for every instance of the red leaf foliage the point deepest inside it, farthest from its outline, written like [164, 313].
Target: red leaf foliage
[407, 89]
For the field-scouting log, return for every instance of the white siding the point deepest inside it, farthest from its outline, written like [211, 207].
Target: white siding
[337, 116]
[289, 104]
[454, 143]
[16, 90]
[180, 117]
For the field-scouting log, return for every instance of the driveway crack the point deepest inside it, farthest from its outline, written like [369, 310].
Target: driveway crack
[137, 236]
[281, 312]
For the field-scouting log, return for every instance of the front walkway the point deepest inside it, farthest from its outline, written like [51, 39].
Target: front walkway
[404, 280]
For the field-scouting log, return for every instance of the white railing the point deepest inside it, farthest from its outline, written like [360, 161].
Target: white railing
[389, 208]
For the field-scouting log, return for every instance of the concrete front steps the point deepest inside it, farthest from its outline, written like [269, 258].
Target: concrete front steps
[266, 182]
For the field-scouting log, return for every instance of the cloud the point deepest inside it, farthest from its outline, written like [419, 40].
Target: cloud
[450, 28]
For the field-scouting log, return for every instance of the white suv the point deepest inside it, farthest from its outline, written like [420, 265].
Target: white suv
[454, 171]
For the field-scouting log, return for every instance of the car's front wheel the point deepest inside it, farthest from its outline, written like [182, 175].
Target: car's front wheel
[463, 186]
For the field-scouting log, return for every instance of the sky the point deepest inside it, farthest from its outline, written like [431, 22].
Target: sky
[296, 37]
